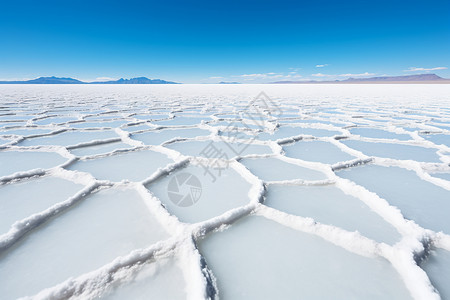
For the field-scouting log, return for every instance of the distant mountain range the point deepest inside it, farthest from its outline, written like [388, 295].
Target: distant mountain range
[420, 78]
[138, 80]
[62, 80]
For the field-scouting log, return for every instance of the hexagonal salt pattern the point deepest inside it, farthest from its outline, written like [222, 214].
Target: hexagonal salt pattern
[193, 195]
[207, 192]
[132, 166]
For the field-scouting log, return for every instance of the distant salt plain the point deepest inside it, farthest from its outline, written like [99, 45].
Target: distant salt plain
[313, 192]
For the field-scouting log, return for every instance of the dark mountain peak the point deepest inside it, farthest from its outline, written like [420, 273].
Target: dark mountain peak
[67, 80]
[54, 80]
[136, 80]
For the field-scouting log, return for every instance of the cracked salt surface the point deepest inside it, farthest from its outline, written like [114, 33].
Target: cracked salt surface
[309, 267]
[160, 279]
[28, 197]
[395, 151]
[24, 132]
[285, 132]
[274, 169]
[379, 134]
[69, 138]
[19, 161]
[329, 205]
[445, 176]
[419, 200]
[99, 149]
[54, 120]
[229, 150]
[345, 194]
[130, 165]
[103, 226]
[319, 151]
[158, 137]
[439, 139]
[107, 124]
[216, 197]
[438, 268]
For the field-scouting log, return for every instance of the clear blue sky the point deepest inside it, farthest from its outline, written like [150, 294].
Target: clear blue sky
[211, 41]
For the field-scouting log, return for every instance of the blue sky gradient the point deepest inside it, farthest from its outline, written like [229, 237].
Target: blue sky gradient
[211, 41]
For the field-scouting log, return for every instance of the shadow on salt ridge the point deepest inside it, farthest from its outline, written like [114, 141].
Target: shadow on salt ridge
[112, 124]
[329, 205]
[161, 279]
[69, 138]
[104, 117]
[307, 121]
[22, 199]
[132, 128]
[228, 116]
[15, 117]
[54, 120]
[379, 134]
[11, 124]
[437, 266]
[257, 258]
[229, 190]
[183, 121]
[105, 225]
[411, 128]
[445, 176]
[20, 161]
[333, 111]
[99, 149]
[285, 132]
[394, 151]
[445, 126]
[438, 139]
[132, 166]
[238, 124]
[233, 133]
[149, 117]
[288, 115]
[425, 203]
[274, 169]
[157, 137]
[230, 150]
[25, 131]
[333, 122]
[317, 151]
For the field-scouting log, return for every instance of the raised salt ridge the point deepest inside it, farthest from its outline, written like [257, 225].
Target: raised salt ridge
[217, 191]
